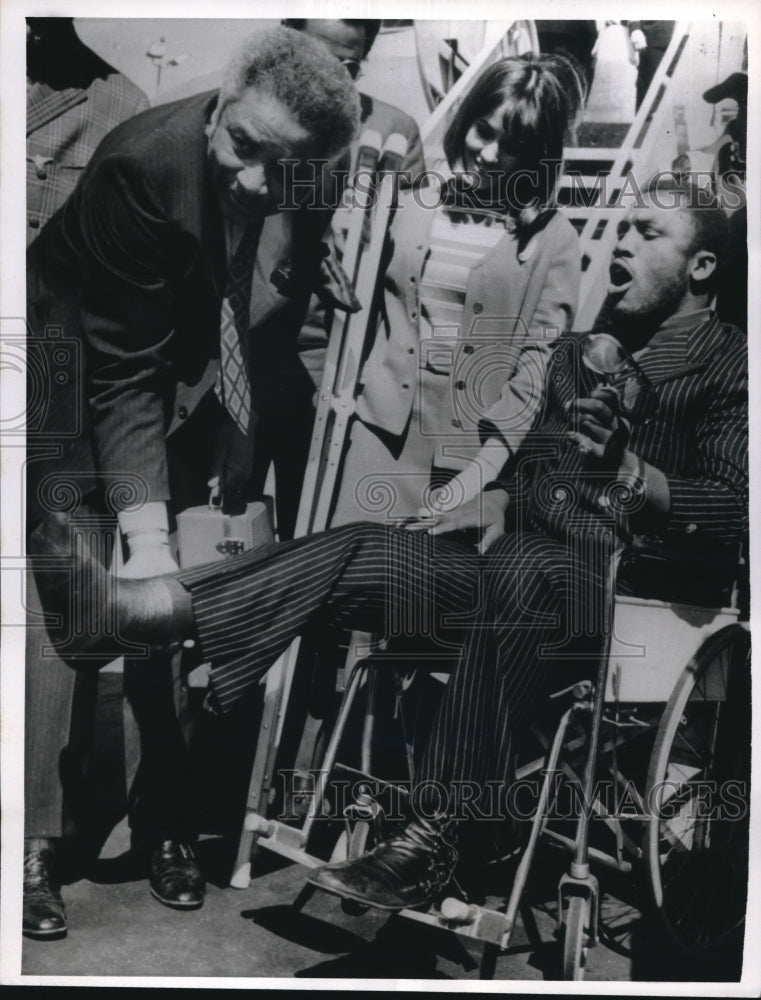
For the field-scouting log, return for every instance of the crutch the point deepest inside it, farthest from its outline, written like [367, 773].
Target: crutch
[334, 410]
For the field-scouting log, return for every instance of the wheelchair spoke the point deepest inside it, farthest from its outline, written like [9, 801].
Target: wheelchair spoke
[697, 851]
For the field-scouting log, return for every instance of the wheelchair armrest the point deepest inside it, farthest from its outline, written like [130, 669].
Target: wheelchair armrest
[702, 573]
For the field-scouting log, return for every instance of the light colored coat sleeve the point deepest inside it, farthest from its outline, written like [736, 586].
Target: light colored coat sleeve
[548, 309]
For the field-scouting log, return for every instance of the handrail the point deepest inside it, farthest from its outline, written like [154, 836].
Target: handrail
[634, 158]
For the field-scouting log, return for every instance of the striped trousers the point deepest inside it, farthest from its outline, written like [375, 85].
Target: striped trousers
[531, 605]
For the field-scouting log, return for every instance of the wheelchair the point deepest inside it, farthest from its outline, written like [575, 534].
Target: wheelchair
[647, 770]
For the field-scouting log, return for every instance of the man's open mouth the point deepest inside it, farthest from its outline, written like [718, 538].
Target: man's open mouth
[620, 277]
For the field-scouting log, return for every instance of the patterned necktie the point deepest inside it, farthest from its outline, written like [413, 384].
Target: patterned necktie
[232, 386]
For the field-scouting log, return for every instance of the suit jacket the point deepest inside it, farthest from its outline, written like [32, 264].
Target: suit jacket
[131, 273]
[63, 129]
[518, 299]
[698, 437]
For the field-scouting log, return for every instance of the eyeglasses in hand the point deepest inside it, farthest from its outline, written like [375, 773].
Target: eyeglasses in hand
[604, 355]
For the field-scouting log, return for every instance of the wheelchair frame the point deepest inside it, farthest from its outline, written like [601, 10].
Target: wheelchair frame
[629, 675]
[694, 637]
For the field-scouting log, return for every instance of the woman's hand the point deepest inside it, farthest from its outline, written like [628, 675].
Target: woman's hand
[486, 512]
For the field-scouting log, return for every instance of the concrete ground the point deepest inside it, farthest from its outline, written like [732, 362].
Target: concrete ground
[277, 929]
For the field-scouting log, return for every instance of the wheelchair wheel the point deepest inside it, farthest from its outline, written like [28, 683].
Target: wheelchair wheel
[575, 937]
[697, 795]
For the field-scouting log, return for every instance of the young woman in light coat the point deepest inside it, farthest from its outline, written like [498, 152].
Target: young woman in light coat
[482, 275]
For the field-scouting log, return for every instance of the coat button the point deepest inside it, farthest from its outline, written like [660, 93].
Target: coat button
[478, 307]
[182, 413]
[34, 223]
[468, 349]
[457, 423]
[42, 173]
[459, 384]
[413, 314]
[410, 350]
[691, 529]
[405, 385]
[412, 280]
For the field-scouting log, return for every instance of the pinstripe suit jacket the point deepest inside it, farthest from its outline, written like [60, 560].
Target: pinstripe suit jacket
[132, 271]
[698, 437]
[63, 129]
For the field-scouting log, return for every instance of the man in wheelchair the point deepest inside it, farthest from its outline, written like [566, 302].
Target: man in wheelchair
[641, 435]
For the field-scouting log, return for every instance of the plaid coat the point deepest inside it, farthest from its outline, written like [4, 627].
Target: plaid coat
[63, 129]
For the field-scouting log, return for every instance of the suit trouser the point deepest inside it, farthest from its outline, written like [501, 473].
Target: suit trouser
[283, 438]
[512, 616]
[60, 709]
[649, 61]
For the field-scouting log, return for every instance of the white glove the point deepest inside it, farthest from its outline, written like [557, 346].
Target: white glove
[638, 40]
[146, 532]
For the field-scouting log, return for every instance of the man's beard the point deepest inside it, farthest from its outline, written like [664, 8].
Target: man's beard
[635, 326]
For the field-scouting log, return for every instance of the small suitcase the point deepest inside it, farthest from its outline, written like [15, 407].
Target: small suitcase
[205, 534]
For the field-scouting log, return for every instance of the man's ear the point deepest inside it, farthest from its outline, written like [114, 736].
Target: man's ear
[214, 119]
[703, 265]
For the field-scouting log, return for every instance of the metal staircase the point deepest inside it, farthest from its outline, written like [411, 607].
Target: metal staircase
[599, 181]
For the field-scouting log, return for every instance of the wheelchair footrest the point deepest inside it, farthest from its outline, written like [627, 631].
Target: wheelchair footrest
[468, 920]
[288, 841]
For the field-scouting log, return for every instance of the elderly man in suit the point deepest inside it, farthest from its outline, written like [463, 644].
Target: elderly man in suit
[166, 294]
[664, 454]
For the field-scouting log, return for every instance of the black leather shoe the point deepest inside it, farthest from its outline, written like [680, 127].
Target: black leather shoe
[44, 912]
[410, 869]
[70, 579]
[175, 878]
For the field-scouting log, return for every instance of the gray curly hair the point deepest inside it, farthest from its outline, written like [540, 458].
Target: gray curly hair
[304, 76]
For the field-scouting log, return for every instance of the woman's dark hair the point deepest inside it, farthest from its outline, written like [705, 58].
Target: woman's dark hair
[543, 93]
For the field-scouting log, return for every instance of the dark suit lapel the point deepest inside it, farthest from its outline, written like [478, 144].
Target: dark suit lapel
[275, 244]
[212, 236]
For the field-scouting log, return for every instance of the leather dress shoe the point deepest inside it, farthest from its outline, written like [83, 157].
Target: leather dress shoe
[71, 580]
[410, 869]
[44, 912]
[175, 877]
